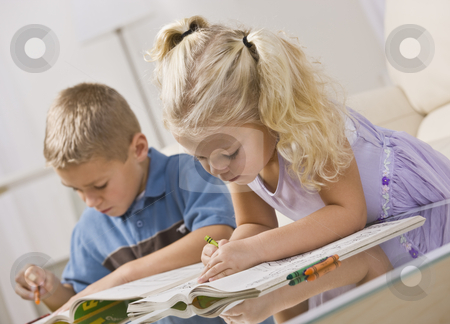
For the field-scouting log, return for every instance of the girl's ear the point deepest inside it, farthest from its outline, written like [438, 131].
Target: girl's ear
[139, 147]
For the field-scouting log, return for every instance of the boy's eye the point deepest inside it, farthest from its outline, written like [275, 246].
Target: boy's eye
[101, 187]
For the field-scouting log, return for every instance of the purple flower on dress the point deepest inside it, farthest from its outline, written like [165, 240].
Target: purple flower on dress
[414, 253]
[385, 181]
[407, 246]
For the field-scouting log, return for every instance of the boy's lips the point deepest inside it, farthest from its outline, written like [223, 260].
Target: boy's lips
[105, 210]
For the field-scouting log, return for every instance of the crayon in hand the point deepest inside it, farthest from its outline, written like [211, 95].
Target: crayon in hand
[319, 266]
[37, 296]
[336, 264]
[210, 240]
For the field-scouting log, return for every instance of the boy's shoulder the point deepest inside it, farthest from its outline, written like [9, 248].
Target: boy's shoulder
[91, 222]
[180, 171]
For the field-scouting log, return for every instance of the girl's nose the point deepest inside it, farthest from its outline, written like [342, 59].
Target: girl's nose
[218, 163]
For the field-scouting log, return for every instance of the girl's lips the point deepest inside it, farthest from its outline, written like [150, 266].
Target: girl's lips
[234, 179]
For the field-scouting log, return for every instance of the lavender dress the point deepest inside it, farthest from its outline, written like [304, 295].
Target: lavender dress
[398, 172]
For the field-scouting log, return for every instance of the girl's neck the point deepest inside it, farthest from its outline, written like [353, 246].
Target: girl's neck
[270, 173]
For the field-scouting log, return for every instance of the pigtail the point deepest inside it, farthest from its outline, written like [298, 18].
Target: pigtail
[294, 103]
[172, 51]
[171, 35]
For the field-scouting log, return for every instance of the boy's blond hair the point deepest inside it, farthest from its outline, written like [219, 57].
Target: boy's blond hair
[88, 121]
[211, 78]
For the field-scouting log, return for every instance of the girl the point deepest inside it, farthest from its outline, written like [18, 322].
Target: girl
[255, 112]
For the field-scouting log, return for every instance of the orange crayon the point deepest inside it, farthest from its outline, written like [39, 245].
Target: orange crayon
[324, 271]
[37, 296]
[319, 266]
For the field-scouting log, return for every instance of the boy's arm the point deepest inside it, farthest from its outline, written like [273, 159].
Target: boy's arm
[183, 252]
[180, 253]
[61, 295]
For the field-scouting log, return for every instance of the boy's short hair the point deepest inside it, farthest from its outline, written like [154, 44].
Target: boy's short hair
[87, 121]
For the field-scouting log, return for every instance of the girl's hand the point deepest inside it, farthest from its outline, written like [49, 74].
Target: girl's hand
[32, 276]
[251, 311]
[208, 251]
[232, 257]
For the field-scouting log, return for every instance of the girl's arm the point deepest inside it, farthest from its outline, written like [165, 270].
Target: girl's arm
[345, 213]
[253, 214]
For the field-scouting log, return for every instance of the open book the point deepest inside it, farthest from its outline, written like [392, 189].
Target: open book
[211, 299]
[110, 306]
[177, 292]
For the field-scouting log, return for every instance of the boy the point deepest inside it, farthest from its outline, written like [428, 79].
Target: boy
[139, 220]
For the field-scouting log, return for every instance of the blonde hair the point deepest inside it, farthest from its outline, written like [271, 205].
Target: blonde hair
[210, 79]
[88, 121]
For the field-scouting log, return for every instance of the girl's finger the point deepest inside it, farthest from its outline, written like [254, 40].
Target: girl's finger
[222, 242]
[210, 264]
[223, 274]
[213, 271]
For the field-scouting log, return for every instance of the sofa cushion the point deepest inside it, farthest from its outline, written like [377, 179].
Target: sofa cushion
[436, 125]
[387, 107]
[435, 130]
[429, 88]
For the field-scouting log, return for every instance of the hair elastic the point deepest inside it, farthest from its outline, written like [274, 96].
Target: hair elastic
[190, 31]
[246, 43]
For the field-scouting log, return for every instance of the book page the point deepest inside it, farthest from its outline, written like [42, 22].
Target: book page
[54, 318]
[150, 285]
[268, 274]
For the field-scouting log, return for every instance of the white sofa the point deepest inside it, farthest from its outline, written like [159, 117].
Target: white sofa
[418, 103]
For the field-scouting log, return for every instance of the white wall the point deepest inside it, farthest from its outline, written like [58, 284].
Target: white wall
[335, 32]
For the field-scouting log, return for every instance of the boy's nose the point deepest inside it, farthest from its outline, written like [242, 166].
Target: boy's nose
[92, 201]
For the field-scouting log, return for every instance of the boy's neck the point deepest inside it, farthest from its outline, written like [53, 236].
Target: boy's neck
[145, 164]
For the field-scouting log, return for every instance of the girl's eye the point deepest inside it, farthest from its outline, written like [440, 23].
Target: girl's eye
[101, 187]
[233, 156]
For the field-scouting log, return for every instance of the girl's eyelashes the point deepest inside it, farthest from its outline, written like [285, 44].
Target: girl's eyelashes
[231, 157]
[101, 187]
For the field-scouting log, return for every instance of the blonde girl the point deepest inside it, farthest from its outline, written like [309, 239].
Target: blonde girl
[252, 108]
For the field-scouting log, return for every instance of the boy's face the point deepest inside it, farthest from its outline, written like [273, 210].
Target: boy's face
[109, 186]
[240, 152]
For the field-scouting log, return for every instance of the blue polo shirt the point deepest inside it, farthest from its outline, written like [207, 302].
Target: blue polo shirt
[180, 197]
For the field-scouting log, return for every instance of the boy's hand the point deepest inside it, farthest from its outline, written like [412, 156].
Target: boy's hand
[32, 276]
[231, 257]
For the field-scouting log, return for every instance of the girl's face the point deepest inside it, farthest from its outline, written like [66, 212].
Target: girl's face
[236, 154]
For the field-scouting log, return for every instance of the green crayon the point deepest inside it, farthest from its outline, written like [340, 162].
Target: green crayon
[297, 280]
[210, 240]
